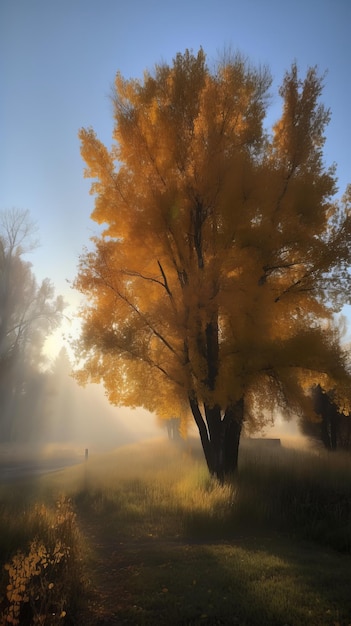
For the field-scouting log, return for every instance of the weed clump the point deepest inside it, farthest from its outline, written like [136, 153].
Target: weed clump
[41, 583]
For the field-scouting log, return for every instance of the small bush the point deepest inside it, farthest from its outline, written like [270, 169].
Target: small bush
[42, 582]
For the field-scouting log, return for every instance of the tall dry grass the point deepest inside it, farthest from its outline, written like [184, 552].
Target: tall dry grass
[162, 489]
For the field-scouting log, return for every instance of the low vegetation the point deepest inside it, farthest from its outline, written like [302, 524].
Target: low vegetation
[41, 561]
[273, 546]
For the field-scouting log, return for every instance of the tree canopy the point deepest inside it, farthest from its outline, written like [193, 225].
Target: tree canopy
[28, 312]
[225, 255]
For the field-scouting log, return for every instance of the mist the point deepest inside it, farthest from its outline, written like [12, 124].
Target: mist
[82, 416]
[52, 421]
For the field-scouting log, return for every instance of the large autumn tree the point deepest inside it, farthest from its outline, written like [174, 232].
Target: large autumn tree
[224, 257]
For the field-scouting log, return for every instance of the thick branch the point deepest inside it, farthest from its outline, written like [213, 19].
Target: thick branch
[165, 281]
[152, 328]
[139, 275]
[146, 359]
[203, 432]
[140, 314]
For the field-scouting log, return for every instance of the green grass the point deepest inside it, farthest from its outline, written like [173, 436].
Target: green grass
[164, 543]
[248, 582]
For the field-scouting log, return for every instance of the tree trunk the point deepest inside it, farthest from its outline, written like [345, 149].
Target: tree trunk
[334, 427]
[220, 437]
[203, 432]
[213, 420]
[232, 439]
[330, 418]
[173, 425]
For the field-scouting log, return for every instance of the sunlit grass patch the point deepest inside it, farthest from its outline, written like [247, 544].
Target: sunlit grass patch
[161, 489]
[163, 492]
[238, 583]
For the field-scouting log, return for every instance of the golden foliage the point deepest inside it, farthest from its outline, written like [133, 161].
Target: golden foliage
[223, 256]
[39, 579]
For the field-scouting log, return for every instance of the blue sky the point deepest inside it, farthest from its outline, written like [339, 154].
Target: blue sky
[58, 59]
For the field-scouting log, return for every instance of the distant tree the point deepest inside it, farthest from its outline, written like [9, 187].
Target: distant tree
[76, 415]
[224, 255]
[173, 428]
[64, 390]
[331, 424]
[30, 406]
[28, 313]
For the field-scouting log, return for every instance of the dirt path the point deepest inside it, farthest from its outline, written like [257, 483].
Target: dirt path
[113, 568]
[107, 572]
[112, 563]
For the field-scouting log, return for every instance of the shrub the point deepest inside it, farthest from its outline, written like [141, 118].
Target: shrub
[42, 582]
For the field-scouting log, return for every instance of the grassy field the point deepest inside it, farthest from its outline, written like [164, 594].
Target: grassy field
[143, 535]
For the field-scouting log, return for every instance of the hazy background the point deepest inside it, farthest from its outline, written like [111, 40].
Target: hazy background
[58, 60]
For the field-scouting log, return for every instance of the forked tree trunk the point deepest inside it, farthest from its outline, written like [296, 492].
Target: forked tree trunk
[220, 437]
[203, 432]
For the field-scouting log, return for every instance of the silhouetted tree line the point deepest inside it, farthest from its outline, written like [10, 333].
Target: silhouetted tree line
[28, 313]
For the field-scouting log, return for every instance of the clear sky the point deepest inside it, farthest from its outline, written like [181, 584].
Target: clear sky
[58, 62]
